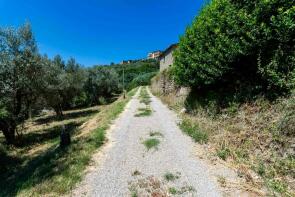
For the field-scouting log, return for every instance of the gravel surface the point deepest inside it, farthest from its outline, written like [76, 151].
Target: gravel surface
[129, 168]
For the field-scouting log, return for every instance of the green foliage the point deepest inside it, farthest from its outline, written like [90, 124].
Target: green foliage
[223, 153]
[63, 85]
[170, 176]
[143, 112]
[142, 80]
[237, 43]
[101, 82]
[19, 70]
[137, 73]
[277, 186]
[172, 190]
[193, 130]
[151, 143]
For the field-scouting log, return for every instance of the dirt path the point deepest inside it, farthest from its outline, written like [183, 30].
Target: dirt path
[128, 168]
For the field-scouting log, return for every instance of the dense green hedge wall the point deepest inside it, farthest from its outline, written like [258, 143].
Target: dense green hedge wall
[236, 40]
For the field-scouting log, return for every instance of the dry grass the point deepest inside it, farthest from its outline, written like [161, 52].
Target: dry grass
[250, 139]
[38, 167]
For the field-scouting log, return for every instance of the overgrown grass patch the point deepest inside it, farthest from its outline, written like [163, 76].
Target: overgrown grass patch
[223, 153]
[171, 177]
[193, 130]
[173, 190]
[144, 96]
[151, 143]
[143, 112]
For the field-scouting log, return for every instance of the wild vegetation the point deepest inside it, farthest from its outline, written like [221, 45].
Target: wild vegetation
[151, 143]
[63, 85]
[238, 58]
[43, 98]
[39, 166]
[146, 100]
[137, 73]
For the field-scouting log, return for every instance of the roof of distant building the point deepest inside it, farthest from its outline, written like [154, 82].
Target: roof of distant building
[170, 48]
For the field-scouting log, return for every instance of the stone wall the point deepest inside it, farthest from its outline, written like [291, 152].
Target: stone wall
[162, 84]
[166, 61]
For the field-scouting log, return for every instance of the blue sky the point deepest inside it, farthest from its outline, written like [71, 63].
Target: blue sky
[101, 31]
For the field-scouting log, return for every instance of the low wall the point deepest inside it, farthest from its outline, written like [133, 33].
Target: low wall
[163, 85]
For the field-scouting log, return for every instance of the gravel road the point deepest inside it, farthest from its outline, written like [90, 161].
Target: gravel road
[130, 169]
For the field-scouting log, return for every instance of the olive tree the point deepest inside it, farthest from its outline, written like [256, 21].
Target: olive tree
[19, 68]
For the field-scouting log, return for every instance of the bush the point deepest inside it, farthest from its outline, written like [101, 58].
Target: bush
[239, 42]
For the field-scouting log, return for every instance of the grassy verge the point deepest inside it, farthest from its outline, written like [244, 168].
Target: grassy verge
[54, 171]
[257, 138]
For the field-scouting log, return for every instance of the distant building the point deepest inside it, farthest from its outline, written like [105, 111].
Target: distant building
[126, 62]
[154, 55]
[166, 58]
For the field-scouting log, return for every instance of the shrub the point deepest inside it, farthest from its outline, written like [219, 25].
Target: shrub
[142, 80]
[238, 42]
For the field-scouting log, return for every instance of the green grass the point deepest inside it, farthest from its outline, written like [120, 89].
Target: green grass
[143, 112]
[173, 190]
[151, 143]
[56, 171]
[223, 153]
[170, 176]
[144, 96]
[134, 194]
[181, 191]
[193, 130]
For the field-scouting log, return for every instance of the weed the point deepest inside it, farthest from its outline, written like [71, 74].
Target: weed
[134, 194]
[170, 177]
[223, 153]
[136, 173]
[222, 181]
[151, 143]
[261, 169]
[194, 131]
[143, 112]
[277, 186]
[186, 189]
[172, 190]
[156, 133]
[144, 96]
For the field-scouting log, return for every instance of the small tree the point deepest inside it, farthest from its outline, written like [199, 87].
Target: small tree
[101, 82]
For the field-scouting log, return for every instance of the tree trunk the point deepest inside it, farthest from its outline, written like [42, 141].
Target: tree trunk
[30, 111]
[8, 129]
[65, 137]
[58, 111]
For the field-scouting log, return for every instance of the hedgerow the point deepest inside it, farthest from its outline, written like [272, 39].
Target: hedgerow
[239, 41]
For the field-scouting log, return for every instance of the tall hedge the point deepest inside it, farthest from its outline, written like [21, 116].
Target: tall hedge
[232, 38]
